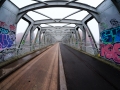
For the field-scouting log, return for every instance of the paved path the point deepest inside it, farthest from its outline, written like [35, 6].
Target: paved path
[44, 72]
[41, 73]
[86, 73]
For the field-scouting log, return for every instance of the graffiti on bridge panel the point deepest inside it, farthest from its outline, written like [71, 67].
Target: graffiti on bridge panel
[111, 51]
[110, 36]
[7, 35]
[110, 47]
[114, 23]
[7, 39]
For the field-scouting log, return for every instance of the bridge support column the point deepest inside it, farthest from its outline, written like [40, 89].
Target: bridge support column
[22, 42]
[73, 39]
[83, 40]
[78, 38]
[36, 42]
[31, 39]
[92, 40]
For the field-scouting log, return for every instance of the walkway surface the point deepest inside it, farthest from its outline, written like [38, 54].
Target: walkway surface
[82, 72]
[86, 73]
[41, 73]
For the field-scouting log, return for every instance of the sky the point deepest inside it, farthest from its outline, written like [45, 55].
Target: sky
[58, 13]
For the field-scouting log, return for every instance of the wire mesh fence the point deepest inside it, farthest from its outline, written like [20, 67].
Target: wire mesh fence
[15, 51]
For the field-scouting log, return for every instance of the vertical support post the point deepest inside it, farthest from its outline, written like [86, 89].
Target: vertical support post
[43, 38]
[84, 40]
[36, 39]
[40, 36]
[73, 39]
[78, 37]
[22, 42]
[80, 40]
[93, 43]
[31, 39]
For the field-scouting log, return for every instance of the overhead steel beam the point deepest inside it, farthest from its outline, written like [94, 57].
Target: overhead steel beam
[91, 16]
[44, 15]
[71, 1]
[40, 1]
[58, 4]
[87, 18]
[66, 25]
[47, 21]
[1, 2]
[70, 15]
[50, 25]
[27, 18]
[51, 28]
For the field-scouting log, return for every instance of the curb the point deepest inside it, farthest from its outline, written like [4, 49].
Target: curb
[62, 80]
[15, 69]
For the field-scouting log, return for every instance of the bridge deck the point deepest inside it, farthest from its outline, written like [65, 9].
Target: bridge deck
[86, 73]
[41, 73]
[82, 72]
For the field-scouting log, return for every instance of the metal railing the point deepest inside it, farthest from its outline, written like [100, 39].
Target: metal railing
[86, 47]
[15, 52]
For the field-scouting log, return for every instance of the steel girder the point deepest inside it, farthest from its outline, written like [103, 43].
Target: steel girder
[1, 2]
[58, 4]
[27, 18]
[87, 18]
[51, 28]
[70, 21]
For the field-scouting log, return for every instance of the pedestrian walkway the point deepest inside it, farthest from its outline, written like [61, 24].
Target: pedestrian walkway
[63, 68]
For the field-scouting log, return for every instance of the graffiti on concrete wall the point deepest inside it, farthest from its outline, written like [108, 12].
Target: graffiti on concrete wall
[7, 53]
[110, 39]
[110, 36]
[7, 40]
[114, 23]
[7, 35]
[111, 51]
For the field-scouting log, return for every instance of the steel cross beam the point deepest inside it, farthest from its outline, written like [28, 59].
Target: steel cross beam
[70, 15]
[66, 25]
[58, 4]
[71, 1]
[44, 15]
[40, 1]
[58, 28]
[46, 21]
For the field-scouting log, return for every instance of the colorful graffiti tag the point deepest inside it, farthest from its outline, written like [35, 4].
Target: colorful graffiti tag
[2, 24]
[110, 36]
[7, 39]
[110, 51]
[7, 36]
[110, 47]
[6, 54]
[114, 23]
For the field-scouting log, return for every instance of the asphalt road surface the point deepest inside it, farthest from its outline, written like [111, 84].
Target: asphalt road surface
[86, 73]
[82, 72]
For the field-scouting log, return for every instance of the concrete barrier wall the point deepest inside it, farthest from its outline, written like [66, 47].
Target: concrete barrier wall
[8, 13]
[109, 31]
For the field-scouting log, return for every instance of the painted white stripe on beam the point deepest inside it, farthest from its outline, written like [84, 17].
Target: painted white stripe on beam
[63, 85]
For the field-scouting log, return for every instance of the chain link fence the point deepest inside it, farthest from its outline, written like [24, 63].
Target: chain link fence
[14, 51]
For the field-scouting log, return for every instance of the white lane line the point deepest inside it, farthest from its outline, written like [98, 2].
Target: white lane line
[63, 85]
